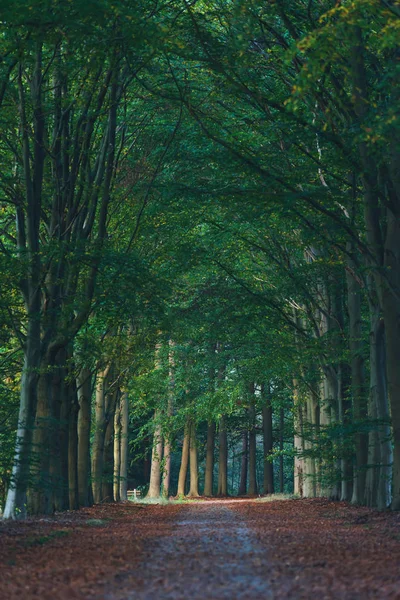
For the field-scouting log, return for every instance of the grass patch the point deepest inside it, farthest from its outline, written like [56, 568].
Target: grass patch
[273, 497]
[97, 522]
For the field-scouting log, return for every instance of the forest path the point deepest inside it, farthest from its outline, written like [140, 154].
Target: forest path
[209, 553]
[211, 549]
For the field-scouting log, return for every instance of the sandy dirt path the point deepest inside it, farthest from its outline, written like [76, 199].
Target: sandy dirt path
[208, 553]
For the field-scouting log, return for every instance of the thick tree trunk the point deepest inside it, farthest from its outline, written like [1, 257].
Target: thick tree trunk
[223, 459]
[253, 488]
[45, 450]
[84, 386]
[268, 470]
[310, 427]
[360, 411]
[73, 489]
[243, 464]
[194, 468]
[123, 486]
[28, 242]
[16, 503]
[209, 471]
[391, 314]
[184, 461]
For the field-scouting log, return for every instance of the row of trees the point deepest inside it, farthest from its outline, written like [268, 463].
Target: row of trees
[224, 176]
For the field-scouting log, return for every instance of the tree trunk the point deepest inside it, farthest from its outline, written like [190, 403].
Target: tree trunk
[107, 487]
[117, 452]
[223, 459]
[360, 413]
[156, 457]
[253, 489]
[209, 472]
[184, 461]
[16, 502]
[73, 489]
[268, 467]
[123, 486]
[99, 434]
[243, 465]
[391, 314]
[298, 441]
[194, 469]
[310, 425]
[84, 386]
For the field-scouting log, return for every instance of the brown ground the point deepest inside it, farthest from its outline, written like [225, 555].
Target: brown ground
[218, 549]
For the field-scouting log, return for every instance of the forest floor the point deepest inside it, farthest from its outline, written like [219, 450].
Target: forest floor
[218, 549]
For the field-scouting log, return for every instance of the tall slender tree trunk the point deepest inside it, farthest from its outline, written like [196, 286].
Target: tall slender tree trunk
[156, 457]
[298, 441]
[123, 482]
[253, 488]
[99, 434]
[268, 467]
[84, 385]
[117, 452]
[209, 471]
[223, 459]
[360, 407]
[243, 464]
[107, 487]
[184, 461]
[281, 440]
[194, 468]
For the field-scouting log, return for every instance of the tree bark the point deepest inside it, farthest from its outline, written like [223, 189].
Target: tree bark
[223, 459]
[209, 472]
[123, 486]
[117, 452]
[194, 469]
[156, 457]
[268, 470]
[253, 488]
[184, 461]
[99, 434]
[243, 464]
[73, 488]
[360, 410]
[84, 385]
